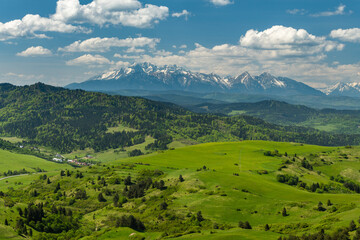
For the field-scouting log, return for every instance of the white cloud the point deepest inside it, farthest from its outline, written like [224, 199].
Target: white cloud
[33, 26]
[184, 13]
[104, 44]
[221, 2]
[349, 35]
[279, 50]
[287, 41]
[35, 51]
[296, 11]
[88, 59]
[100, 12]
[121, 64]
[183, 46]
[340, 10]
[135, 50]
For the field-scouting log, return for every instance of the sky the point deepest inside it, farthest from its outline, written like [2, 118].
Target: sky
[64, 41]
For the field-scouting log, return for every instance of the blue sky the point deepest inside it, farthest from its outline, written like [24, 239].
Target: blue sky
[64, 41]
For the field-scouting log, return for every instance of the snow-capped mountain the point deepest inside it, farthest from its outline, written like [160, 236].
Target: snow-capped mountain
[344, 89]
[146, 76]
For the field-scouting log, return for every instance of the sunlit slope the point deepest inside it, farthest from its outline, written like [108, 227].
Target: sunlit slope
[257, 198]
[15, 161]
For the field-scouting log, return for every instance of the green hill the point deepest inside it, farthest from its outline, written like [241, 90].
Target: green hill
[15, 161]
[222, 184]
[68, 120]
[330, 120]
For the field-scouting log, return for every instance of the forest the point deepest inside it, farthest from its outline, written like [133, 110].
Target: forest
[67, 120]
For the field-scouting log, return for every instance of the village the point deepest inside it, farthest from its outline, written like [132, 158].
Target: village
[83, 162]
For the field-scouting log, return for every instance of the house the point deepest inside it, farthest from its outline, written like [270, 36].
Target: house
[57, 160]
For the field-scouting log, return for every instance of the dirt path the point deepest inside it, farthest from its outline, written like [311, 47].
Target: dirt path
[13, 176]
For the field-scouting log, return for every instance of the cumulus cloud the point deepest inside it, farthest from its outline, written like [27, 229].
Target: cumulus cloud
[88, 59]
[221, 2]
[279, 50]
[35, 51]
[104, 44]
[349, 35]
[34, 26]
[184, 13]
[288, 41]
[340, 10]
[98, 12]
[127, 13]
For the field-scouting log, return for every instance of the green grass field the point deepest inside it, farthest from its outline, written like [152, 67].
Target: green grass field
[264, 197]
[15, 161]
[222, 181]
[111, 154]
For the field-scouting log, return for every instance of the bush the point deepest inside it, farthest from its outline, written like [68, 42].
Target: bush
[245, 225]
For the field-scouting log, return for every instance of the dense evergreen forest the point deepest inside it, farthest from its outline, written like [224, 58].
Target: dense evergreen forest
[66, 120]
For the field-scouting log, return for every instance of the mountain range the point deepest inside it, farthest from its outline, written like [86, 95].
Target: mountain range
[344, 89]
[146, 76]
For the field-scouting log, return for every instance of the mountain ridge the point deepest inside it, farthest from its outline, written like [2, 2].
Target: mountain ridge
[171, 77]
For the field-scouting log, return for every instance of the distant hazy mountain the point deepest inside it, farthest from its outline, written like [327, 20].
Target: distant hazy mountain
[146, 76]
[344, 89]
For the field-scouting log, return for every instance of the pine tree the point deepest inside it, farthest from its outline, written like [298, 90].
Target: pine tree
[247, 225]
[48, 181]
[101, 198]
[6, 222]
[284, 213]
[181, 179]
[199, 216]
[352, 226]
[267, 228]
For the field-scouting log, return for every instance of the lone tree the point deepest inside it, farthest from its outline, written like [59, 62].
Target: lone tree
[48, 181]
[181, 179]
[245, 225]
[199, 216]
[329, 203]
[6, 222]
[267, 228]
[352, 226]
[101, 198]
[284, 213]
[320, 207]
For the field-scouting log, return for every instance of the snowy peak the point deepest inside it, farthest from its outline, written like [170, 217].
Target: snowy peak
[146, 76]
[266, 80]
[344, 89]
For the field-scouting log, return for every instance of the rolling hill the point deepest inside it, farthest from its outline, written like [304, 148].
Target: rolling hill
[222, 186]
[67, 120]
[330, 120]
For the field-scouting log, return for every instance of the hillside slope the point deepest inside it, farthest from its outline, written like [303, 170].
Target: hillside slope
[198, 192]
[330, 120]
[66, 120]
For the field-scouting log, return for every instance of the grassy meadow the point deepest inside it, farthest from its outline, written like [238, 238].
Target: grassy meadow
[227, 182]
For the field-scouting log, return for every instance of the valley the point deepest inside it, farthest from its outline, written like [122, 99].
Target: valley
[227, 182]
